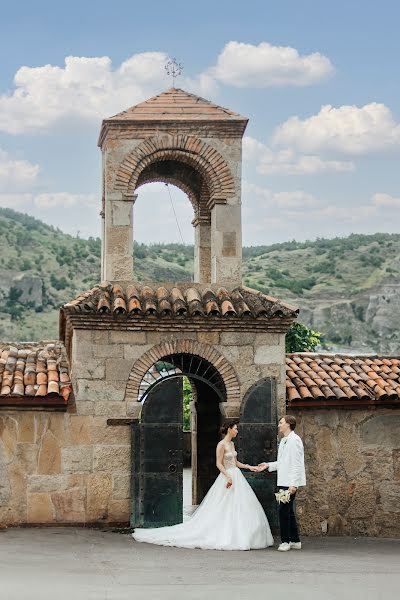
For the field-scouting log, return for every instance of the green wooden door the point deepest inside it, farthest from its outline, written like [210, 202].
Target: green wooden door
[157, 457]
[257, 442]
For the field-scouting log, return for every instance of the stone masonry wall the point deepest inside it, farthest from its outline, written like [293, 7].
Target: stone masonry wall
[60, 468]
[353, 472]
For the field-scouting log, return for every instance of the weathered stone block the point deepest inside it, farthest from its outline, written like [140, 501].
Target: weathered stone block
[78, 430]
[158, 337]
[27, 456]
[382, 430]
[85, 407]
[5, 488]
[121, 213]
[110, 409]
[351, 452]
[237, 338]
[77, 459]
[396, 464]
[119, 511]
[128, 337]
[97, 390]
[269, 354]
[104, 434]
[111, 458]
[49, 455]
[8, 432]
[80, 351]
[118, 369]
[119, 240]
[133, 409]
[90, 368]
[40, 508]
[100, 337]
[98, 496]
[46, 483]
[108, 351]
[121, 487]
[70, 506]
[241, 358]
[133, 352]
[77, 480]
[269, 339]
[209, 337]
[26, 429]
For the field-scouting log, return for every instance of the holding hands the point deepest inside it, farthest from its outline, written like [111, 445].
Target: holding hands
[262, 467]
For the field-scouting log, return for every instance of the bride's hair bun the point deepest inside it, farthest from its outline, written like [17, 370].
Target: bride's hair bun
[227, 425]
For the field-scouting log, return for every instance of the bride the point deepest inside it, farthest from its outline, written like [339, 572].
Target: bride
[230, 516]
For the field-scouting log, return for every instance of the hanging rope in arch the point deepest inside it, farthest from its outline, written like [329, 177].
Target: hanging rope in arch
[176, 218]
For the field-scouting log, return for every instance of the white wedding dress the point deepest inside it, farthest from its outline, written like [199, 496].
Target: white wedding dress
[227, 519]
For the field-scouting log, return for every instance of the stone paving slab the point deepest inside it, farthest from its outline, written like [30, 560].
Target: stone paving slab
[84, 564]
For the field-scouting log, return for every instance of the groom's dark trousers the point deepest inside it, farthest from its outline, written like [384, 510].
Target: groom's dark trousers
[287, 520]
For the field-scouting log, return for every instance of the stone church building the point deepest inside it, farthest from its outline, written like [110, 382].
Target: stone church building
[91, 424]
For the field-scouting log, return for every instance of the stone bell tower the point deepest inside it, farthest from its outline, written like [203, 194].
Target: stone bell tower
[176, 138]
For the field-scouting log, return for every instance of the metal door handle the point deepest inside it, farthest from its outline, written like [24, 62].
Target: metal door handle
[172, 468]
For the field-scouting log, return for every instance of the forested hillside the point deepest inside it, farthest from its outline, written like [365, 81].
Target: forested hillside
[347, 288]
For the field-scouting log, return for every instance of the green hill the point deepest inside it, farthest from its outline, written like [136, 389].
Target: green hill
[348, 288]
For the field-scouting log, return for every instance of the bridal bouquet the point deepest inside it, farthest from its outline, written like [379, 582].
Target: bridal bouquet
[282, 496]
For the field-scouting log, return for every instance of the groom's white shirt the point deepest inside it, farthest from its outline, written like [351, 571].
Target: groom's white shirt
[290, 462]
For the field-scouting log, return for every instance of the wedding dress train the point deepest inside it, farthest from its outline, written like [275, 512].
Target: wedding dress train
[227, 519]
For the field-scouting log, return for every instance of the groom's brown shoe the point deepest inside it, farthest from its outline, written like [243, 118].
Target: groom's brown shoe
[295, 545]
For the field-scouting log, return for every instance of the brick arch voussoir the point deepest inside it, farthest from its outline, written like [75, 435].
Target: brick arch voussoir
[213, 356]
[194, 200]
[211, 176]
[190, 149]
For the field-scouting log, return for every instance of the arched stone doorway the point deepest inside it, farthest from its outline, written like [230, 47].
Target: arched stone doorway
[158, 444]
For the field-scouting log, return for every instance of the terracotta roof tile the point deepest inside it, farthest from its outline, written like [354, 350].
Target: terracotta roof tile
[175, 105]
[341, 380]
[186, 301]
[29, 371]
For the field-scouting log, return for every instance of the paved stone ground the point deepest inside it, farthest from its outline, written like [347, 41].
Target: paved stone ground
[83, 564]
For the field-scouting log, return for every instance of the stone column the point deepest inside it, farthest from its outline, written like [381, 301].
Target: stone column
[118, 240]
[226, 244]
[102, 215]
[202, 250]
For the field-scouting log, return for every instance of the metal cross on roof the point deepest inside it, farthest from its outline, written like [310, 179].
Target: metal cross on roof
[173, 69]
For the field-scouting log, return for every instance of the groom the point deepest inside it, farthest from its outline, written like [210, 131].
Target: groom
[291, 475]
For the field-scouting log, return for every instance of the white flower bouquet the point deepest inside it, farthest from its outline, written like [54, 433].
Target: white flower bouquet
[282, 496]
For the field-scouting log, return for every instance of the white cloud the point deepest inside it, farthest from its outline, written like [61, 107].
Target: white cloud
[347, 129]
[381, 199]
[288, 162]
[15, 201]
[278, 216]
[48, 200]
[90, 89]
[65, 200]
[85, 88]
[16, 174]
[246, 65]
[297, 199]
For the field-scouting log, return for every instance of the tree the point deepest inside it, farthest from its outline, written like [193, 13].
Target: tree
[13, 306]
[187, 398]
[301, 338]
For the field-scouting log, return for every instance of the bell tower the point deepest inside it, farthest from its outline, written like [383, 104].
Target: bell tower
[176, 138]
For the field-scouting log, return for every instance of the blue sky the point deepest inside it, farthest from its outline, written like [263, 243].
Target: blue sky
[319, 82]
